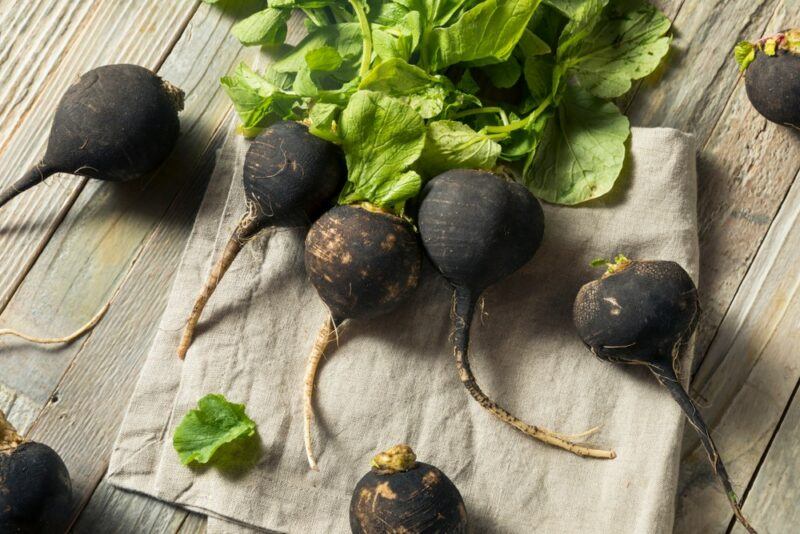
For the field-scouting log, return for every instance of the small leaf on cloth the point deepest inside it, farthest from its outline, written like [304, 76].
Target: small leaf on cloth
[582, 150]
[214, 423]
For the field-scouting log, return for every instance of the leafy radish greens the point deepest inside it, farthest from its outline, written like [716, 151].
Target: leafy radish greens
[412, 88]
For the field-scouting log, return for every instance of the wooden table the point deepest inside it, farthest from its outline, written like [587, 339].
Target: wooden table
[68, 246]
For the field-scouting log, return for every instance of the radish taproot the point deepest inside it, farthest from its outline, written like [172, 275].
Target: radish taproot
[478, 229]
[289, 177]
[400, 494]
[772, 77]
[116, 123]
[642, 313]
[35, 488]
[363, 262]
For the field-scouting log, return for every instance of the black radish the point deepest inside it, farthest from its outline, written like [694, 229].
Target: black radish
[478, 229]
[35, 488]
[363, 262]
[289, 177]
[772, 79]
[642, 313]
[116, 123]
[400, 494]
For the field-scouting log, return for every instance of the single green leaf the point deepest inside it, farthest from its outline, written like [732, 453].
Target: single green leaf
[533, 45]
[503, 75]
[539, 77]
[211, 425]
[485, 34]
[325, 58]
[582, 150]
[256, 100]
[345, 38]
[382, 139]
[627, 44]
[410, 84]
[454, 145]
[266, 27]
[571, 8]
[586, 16]
[467, 83]
[745, 53]
[599, 262]
[399, 40]
[323, 114]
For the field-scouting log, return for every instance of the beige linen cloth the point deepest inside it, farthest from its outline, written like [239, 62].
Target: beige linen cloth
[393, 379]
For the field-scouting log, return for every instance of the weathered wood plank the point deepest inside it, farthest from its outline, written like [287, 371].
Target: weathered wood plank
[772, 501]
[46, 45]
[88, 257]
[758, 339]
[194, 524]
[118, 512]
[20, 411]
[108, 229]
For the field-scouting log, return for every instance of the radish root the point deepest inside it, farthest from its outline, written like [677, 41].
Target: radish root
[464, 307]
[667, 377]
[244, 231]
[66, 339]
[324, 338]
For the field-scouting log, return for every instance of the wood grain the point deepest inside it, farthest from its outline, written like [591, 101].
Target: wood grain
[109, 229]
[47, 44]
[118, 511]
[772, 501]
[759, 372]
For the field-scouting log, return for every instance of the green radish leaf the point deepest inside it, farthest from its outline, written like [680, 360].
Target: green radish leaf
[344, 38]
[503, 75]
[257, 102]
[399, 40]
[745, 53]
[581, 152]
[266, 27]
[211, 425]
[454, 145]
[382, 138]
[485, 34]
[425, 93]
[325, 58]
[532, 45]
[539, 77]
[627, 44]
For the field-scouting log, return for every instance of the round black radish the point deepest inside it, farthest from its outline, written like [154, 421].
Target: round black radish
[400, 494]
[363, 262]
[116, 123]
[289, 177]
[642, 313]
[478, 229]
[35, 488]
[773, 87]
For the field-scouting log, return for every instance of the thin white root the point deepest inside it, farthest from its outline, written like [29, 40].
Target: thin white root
[576, 437]
[66, 339]
[322, 342]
